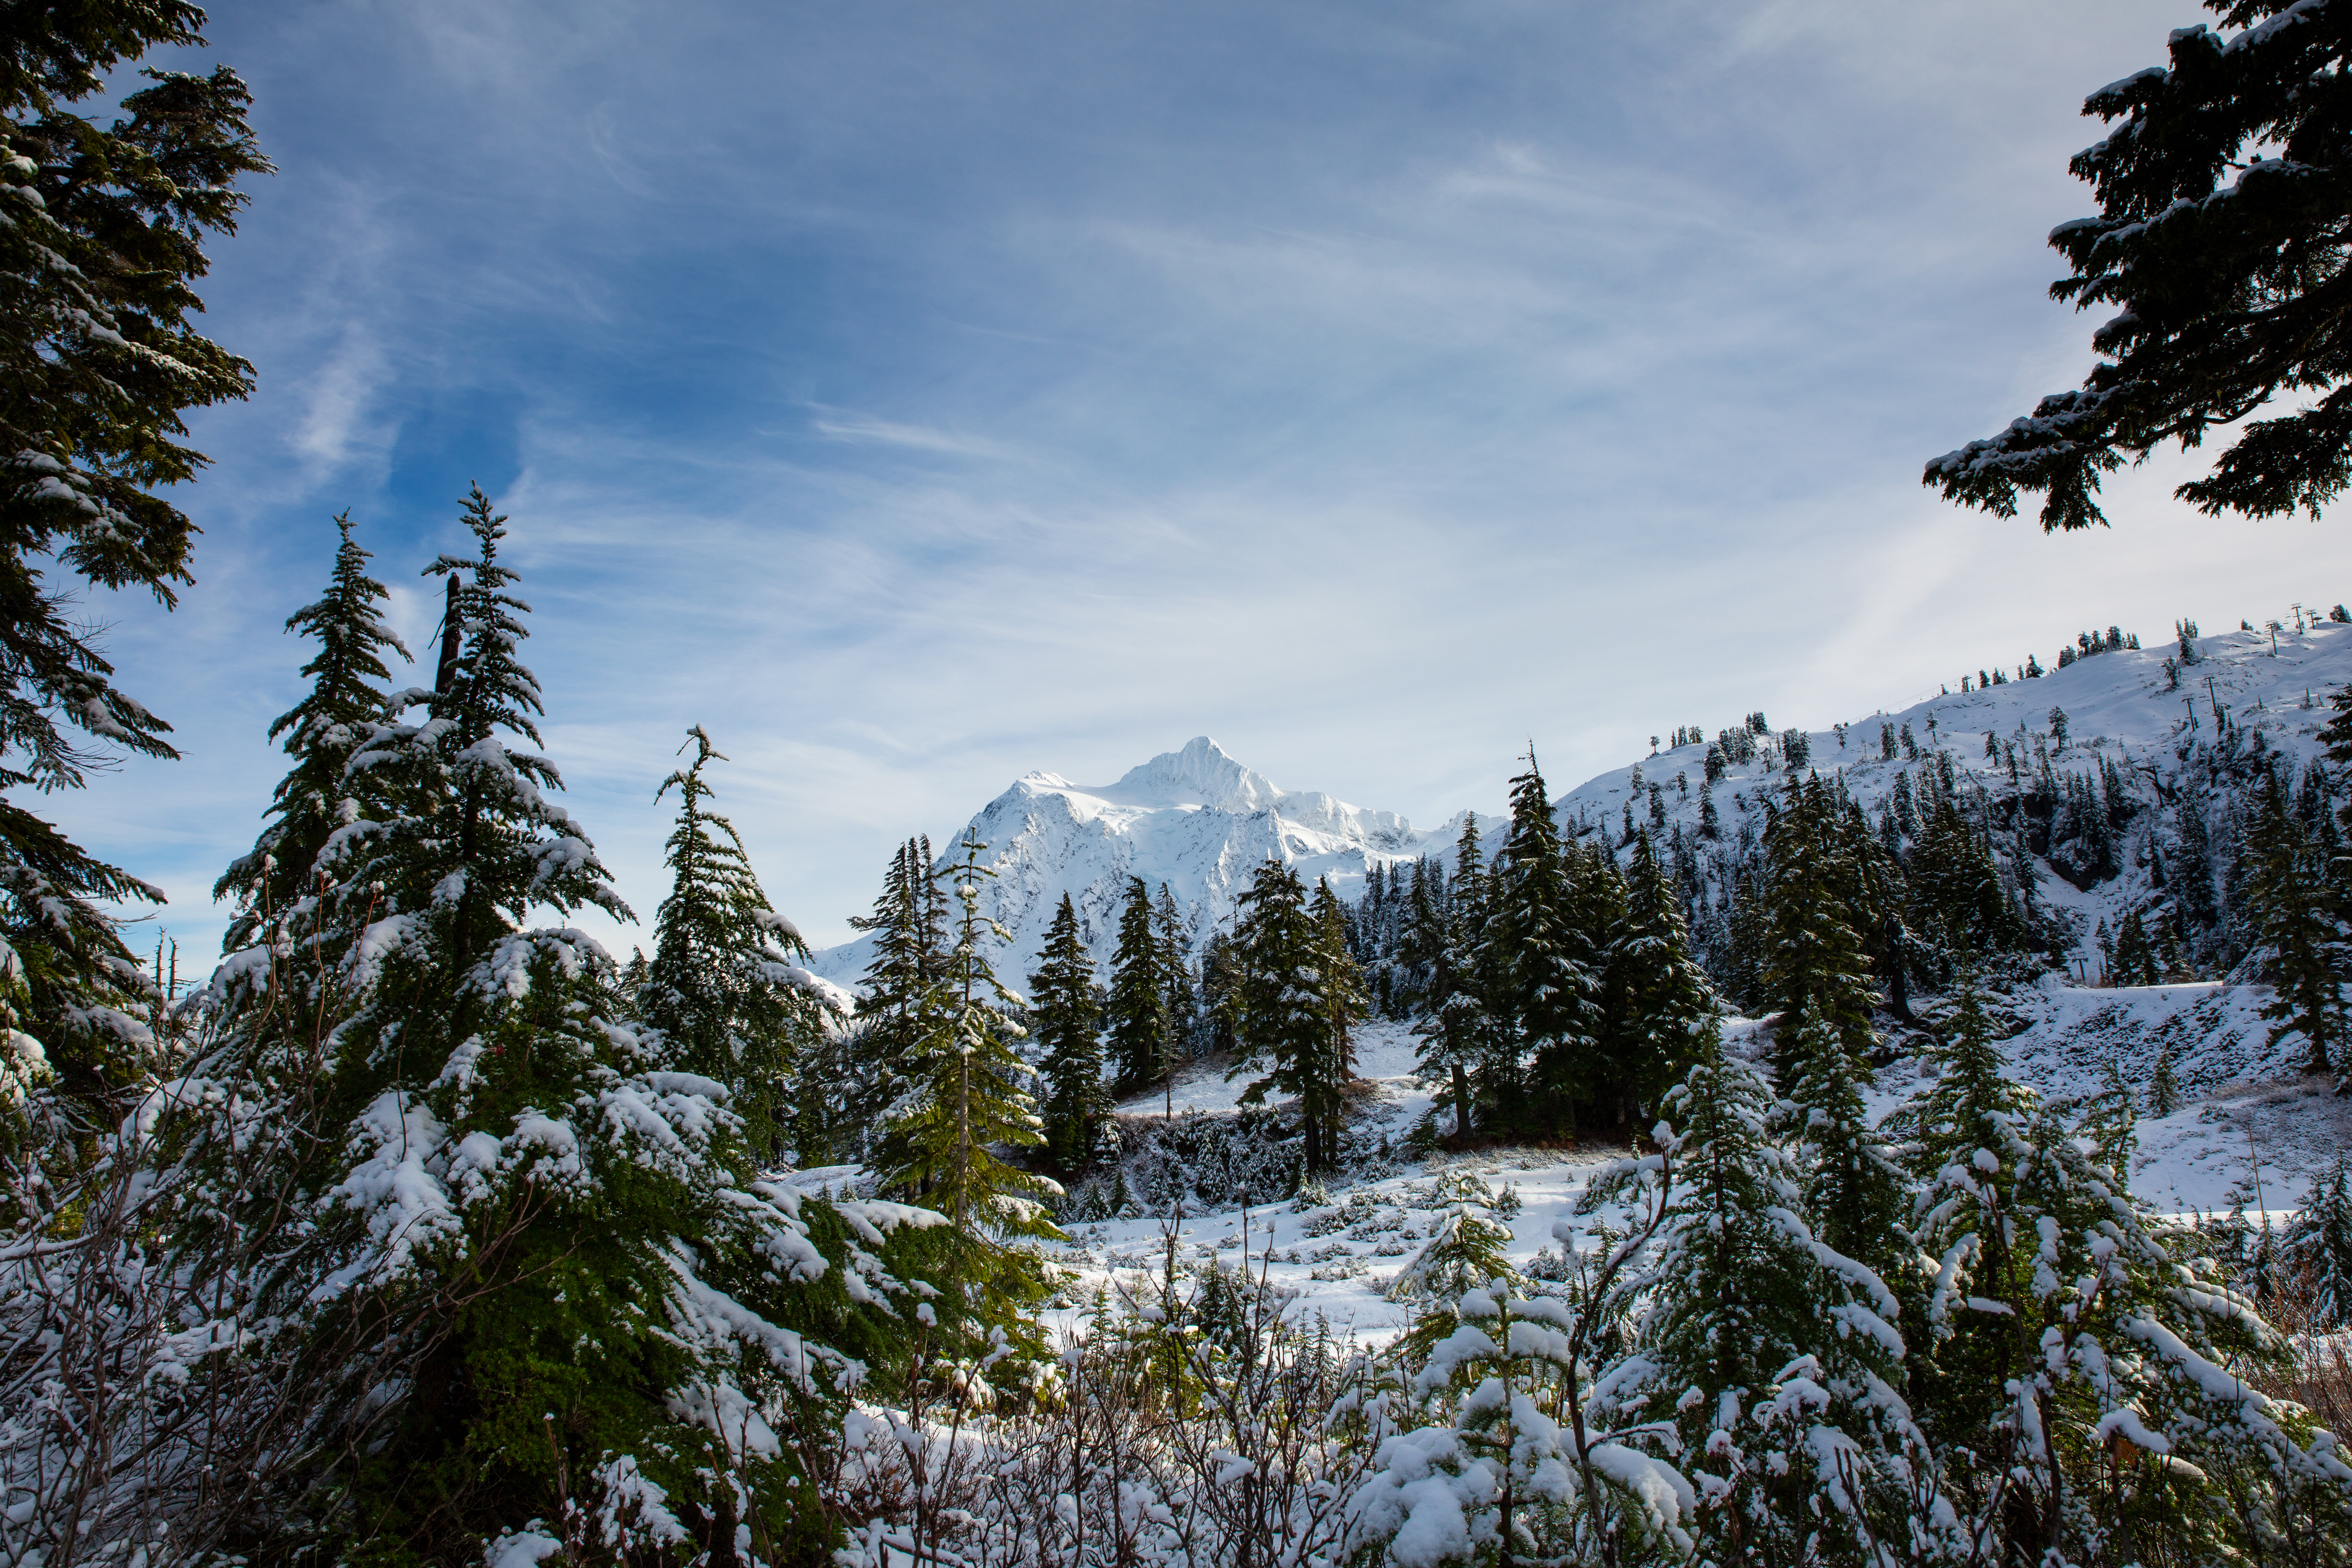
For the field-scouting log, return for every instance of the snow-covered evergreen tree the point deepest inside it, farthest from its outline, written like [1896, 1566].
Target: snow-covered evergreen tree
[970, 1102]
[723, 993]
[1066, 1015]
[2317, 1248]
[899, 993]
[1777, 1355]
[1547, 994]
[1469, 1245]
[103, 225]
[2299, 919]
[521, 1270]
[1822, 1047]
[1659, 1006]
[1285, 1017]
[1180, 1006]
[1136, 1007]
[1458, 1034]
[2084, 1389]
[1340, 991]
[349, 687]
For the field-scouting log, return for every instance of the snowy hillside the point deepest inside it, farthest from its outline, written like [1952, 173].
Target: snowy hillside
[1202, 821]
[2249, 1126]
[2121, 710]
[2117, 704]
[1195, 819]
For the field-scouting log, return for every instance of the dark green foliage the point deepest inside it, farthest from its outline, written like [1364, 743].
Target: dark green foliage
[722, 995]
[2220, 187]
[1657, 1007]
[1459, 1034]
[1544, 990]
[1743, 1299]
[349, 687]
[538, 1259]
[1815, 968]
[1065, 1017]
[900, 990]
[964, 1102]
[1137, 1006]
[1298, 1001]
[1180, 1005]
[2135, 956]
[100, 250]
[2052, 1291]
[1957, 901]
[2318, 1247]
[2298, 912]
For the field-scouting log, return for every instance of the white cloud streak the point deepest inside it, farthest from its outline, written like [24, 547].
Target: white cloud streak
[917, 399]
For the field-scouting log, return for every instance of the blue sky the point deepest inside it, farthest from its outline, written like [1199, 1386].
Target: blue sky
[918, 394]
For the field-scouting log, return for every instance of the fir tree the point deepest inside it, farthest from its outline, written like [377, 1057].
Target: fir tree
[1775, 1357]
[348, 690]
[1468, 1246]
[472, 841]
[2060, 1321]
[967, 1103]
[2317, 1248]
[1659, 1007]
[103, 240]
[539, 1270]
[1066, 1012]
[2194, 222]
[1954, 888]
[1138, 1007]
[1340, 990]
[1458, 1034]
[902, 989]
[1286, 1019]
[2135, 958]
[1546, 990]
[723, 995]
[2300, 921]
[2163, 1084]
[1179, 1007]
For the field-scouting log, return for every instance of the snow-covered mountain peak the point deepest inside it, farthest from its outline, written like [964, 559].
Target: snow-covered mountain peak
[1194, 819]
[1202, 774]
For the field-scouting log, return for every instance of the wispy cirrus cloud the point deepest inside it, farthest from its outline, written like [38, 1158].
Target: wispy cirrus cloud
[919, 397]
[862, 430]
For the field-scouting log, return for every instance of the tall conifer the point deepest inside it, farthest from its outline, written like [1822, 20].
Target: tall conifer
[1660, 1006]
[349, 687]
[969, 1102]
[1066, 1012]
[1458, 1034]
[1285, 1021]
[1549, 992]
[724, 995]
[1138, 1006]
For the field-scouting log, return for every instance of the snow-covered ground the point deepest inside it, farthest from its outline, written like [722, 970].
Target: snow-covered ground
[1199, 820]
[2245, 1117]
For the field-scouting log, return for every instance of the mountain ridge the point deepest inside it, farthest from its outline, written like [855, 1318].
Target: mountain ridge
[1200, 820]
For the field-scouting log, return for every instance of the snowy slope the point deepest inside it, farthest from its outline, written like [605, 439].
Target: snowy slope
[1195, 819]
[2118, 708]
[1202, 821]
[2116, 705]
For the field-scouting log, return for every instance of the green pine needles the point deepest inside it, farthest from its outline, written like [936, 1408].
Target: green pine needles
[1066, 1015]
[965, 1100]
[723, 992]
[2220, 257]
[1300, 998]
